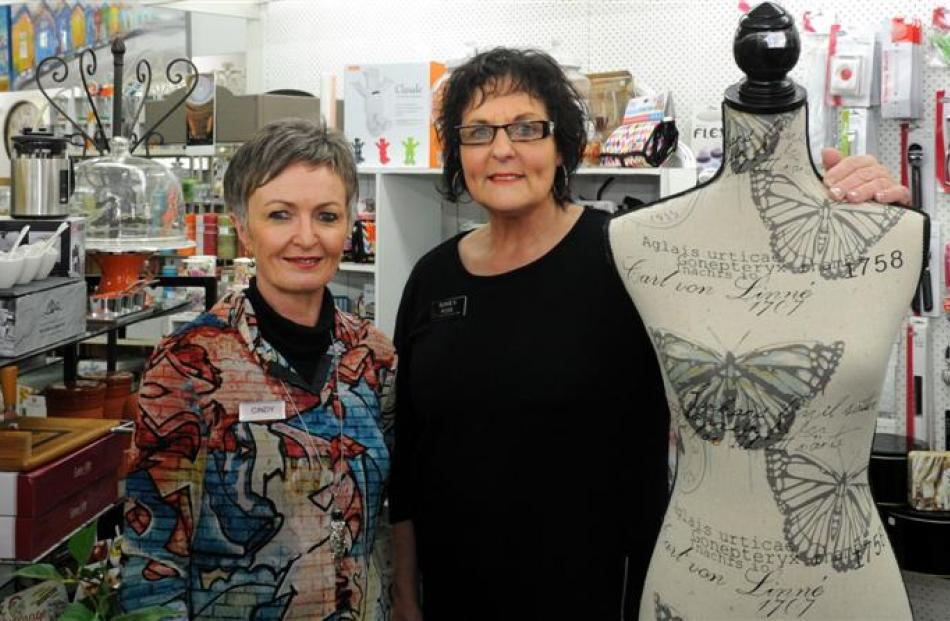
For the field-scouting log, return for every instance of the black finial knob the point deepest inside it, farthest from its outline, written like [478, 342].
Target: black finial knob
[118, 46]
[766, 48]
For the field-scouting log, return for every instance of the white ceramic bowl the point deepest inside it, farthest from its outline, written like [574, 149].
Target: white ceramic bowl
[32, 260]
[49, 260]
[11, 265]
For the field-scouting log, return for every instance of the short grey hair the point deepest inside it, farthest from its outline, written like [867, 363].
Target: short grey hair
[279, 145]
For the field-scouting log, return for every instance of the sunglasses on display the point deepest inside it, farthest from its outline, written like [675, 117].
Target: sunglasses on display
[519, 131]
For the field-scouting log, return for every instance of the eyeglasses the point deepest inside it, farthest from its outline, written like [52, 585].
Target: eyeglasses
[519, 131]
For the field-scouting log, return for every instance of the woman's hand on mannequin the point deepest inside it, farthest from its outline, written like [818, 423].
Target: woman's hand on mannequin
[860, 178]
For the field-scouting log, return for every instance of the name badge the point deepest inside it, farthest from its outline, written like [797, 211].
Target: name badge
[449, 308]
[260, 411]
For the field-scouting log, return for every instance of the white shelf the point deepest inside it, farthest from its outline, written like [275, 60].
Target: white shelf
[364, 268]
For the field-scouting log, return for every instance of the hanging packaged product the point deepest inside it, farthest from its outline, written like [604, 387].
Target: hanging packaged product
[917, 153]
[857, 131]
[813, 65]
[851, 79]
[941, 134]
[938, 37]
[901, 80]
[919, 371]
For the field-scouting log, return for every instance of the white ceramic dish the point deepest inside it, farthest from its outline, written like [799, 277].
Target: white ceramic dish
[32, 260]
[49, 260]
[11, 265]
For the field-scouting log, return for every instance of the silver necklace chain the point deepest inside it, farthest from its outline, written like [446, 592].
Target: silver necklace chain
[337, 522]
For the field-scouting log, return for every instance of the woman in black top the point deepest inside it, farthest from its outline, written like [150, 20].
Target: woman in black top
[529, 475]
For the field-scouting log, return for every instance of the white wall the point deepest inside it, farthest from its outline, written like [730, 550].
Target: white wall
[212, 35]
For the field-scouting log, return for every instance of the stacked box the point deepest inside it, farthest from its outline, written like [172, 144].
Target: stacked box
[40, 507]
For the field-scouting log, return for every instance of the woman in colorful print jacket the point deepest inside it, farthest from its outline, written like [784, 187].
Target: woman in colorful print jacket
[261, 446]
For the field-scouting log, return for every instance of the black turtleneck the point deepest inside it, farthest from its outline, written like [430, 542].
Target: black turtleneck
[302, 346]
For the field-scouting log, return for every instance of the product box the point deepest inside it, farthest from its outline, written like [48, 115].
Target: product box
[389, 113]
[929, 485]
[72, 243]
[35, 493]
[236, 117]
[27, 538]
[44, 602]
[706, 140]
[40, 313]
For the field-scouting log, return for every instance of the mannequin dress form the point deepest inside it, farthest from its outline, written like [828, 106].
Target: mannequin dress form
[772, 311]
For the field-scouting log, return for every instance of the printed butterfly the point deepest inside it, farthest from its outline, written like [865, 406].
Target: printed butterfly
[665, 612]
[827, 512]
[691, 459]
[752, 138]
[808, 231]
[756, 394]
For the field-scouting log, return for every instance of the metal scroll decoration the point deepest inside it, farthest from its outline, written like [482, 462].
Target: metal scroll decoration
[177, 71]
[143, 73]
[174, 77]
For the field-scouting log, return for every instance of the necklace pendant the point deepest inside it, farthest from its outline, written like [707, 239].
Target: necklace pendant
[337, 536]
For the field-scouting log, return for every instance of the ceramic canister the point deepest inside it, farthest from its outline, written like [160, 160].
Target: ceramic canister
[79, 399]
[118, 387]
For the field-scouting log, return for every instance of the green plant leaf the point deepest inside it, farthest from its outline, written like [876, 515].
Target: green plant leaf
[81, 543]
[43, 571]
[77, 612]
[152, 613]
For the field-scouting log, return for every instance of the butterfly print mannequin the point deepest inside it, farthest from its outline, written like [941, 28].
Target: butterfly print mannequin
[772, 310]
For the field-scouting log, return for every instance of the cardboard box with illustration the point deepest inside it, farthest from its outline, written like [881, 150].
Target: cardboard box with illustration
[389, 113]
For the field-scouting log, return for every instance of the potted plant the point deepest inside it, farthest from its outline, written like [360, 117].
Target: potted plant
[99, 585]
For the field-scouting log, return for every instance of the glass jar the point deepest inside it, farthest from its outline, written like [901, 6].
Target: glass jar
[227, 240]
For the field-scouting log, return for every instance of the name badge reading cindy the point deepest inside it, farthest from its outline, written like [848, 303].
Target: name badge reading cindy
[449, 308]
[261, 411]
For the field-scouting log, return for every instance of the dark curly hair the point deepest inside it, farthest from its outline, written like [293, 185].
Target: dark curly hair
[516, 71]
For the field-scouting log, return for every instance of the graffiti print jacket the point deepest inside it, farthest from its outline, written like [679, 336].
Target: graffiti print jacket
[229, 519]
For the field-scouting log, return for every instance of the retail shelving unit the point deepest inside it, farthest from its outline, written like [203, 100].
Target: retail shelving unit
[69, 351]
[411, 219]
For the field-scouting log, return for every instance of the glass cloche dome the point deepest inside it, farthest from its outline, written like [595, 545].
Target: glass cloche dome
[131, 204]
